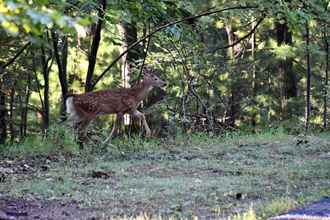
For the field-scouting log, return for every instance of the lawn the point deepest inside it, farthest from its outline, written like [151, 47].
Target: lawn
[232, 177]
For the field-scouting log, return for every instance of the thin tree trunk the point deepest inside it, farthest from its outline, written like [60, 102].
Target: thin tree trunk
[130, 35]
[129, 32]
[286, 74]
[45, 73]
[233, 100]
[3, 109]
[21, 116]
[11, 115]
[254, 89]
[62, 69]
[3, 115]
[24, 110]
[326, 81]
[95, 46]
[308, 82]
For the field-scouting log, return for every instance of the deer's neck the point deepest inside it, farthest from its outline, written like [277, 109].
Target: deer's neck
[141, 90]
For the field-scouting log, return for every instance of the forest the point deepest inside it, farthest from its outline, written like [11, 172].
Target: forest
[245, 104]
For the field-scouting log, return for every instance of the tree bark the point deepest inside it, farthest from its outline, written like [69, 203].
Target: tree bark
[95, 46]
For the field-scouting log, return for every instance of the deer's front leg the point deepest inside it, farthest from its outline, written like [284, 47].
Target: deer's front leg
[115, 127]
[141, 117]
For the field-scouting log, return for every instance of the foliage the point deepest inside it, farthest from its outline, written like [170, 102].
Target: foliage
[32, 18]
[258, 82]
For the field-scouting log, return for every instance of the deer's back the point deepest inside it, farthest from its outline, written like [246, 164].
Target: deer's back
[105, 102]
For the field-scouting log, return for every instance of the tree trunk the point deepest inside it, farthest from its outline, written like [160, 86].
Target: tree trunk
[3, 115]
[308, 82]
[24, 110]
[254, 89]
[234, 106]
[286, 74]
[21, 126]
[61, 60]
[11, 115]
[95, 46]
[326, 81]
[45, 73]
[129, 32]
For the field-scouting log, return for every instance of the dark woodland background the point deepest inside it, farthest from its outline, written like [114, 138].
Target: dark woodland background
[230, 65]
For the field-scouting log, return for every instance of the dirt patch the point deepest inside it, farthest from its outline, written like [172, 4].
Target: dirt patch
[101, 174]
[16, 209]
[28, 164]
[155, 170]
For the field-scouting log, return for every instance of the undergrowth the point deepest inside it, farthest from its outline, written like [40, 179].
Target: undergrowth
[59, 139]
[62, 139]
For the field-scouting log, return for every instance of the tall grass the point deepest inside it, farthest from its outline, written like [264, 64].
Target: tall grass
[59, 138]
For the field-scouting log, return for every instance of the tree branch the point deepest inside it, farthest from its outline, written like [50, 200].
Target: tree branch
[161, 28]
[145, 56]
[242, 38]
[12, 60]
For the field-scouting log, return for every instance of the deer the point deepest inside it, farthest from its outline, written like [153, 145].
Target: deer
[84, 108]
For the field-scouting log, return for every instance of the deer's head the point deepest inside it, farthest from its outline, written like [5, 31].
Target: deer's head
[151, 79]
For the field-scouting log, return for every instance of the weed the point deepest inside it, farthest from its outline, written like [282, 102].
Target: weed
[276, 206]
[248, 215]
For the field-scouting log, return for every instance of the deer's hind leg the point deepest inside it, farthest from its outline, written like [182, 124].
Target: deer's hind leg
[82, 132]
[142, 118]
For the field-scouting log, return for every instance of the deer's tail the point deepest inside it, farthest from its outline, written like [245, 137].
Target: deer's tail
[70, 109]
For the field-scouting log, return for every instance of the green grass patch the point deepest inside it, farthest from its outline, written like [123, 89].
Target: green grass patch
[237, 176]
[59, 139]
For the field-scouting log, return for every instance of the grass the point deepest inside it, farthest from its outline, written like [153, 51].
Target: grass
[237, 176]
[58, 140]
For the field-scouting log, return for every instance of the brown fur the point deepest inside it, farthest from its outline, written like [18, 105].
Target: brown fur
[86, 107]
